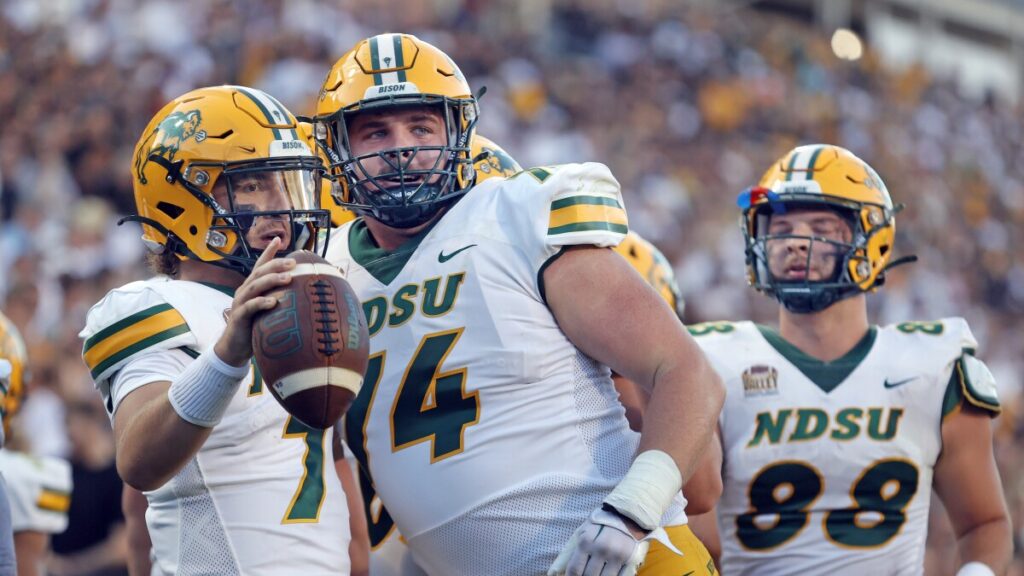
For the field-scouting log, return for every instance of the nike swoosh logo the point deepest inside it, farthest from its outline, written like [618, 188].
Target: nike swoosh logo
[249, 149]
[898, 382]
[442, 257]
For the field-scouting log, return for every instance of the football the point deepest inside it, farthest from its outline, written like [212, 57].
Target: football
[312, 348]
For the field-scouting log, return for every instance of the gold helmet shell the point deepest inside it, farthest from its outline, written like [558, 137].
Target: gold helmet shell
[13, 364]
[813, 176]
[217, 136]
[654, 267]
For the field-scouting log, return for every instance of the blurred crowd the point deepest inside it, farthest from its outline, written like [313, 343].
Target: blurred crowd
[686, 105]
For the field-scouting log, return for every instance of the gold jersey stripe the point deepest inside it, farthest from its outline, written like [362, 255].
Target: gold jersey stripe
[579, 213]
[169, 322]
[54, 501]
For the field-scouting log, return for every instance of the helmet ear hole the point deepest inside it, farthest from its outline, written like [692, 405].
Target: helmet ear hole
[171, 210]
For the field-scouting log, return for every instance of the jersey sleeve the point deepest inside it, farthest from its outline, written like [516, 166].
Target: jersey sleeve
[567, 205]
[128, 323]
[151, 366]
[40, 493]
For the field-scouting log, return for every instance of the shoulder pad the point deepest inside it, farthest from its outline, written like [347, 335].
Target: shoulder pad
[573, 204]
[978, 384]
[128, 321]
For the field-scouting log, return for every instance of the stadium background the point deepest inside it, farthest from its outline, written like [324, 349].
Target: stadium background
[685, 101]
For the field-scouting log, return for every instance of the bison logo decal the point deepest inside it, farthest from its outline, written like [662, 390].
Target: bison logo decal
[167, 138]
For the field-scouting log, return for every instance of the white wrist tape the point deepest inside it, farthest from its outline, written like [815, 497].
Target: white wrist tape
[975, 569]
[647, 490]
[201, 394]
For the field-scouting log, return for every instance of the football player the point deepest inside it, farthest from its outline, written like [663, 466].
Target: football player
[834, 430]
[488, 420]
[38, 488]
[223, 183]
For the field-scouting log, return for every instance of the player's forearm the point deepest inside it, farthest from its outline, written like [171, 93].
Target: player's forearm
[989, 543]
[160, 426]
[683, 412]
[155, 442]
[134, 505]
[704, 488]
[359, 546]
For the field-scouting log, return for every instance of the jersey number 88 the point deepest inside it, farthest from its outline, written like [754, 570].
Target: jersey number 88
[785, 491]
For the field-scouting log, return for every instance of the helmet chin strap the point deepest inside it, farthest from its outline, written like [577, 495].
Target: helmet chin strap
[806, 300]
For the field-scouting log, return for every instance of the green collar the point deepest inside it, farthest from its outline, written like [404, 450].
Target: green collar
[826, 375]
[220, 288]
[380, 263]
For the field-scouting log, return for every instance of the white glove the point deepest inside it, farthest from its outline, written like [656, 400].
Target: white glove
[603, 546]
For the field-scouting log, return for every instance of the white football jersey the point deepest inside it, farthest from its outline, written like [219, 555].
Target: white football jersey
[261, 496]
[828, 465]
[39, 489]
[488, 436]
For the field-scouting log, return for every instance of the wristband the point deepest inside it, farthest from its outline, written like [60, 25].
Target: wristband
[202, 392]
[647, 490]
[975, 569]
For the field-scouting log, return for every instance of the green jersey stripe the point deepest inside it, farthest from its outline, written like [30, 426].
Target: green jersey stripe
[124, 323]
[588, 227]
[141, 345]
[590, 200]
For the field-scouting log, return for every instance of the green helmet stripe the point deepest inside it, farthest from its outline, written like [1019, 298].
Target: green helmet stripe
[814, 160]
[375, 61]
[399, 57]
[284, 112]
[792, 163]
[263, 108]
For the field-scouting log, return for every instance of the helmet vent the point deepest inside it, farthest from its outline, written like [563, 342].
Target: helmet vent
[170, 209]
[221, 136]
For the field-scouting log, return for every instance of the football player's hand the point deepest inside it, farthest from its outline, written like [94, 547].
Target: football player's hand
[235, 345]
[605, 546]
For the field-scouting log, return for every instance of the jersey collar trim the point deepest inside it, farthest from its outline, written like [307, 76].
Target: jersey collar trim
[380, 263]
[825, 375]
[220, 288]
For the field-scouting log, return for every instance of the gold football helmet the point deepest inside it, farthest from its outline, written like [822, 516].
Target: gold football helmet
[13, 361]
[490, 160]
[654, 267]
[215, 143]
[817, 176]
[383, 72]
